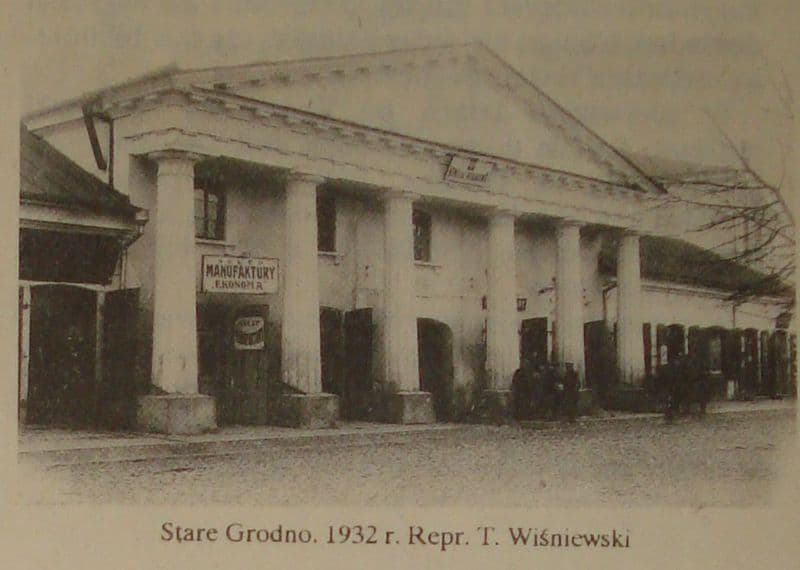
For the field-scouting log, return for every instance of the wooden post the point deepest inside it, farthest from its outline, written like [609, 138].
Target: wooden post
[24, 348]
[98, 351]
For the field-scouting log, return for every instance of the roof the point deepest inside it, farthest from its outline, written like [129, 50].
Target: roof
[326, 76]
[49, 177]
[677, 261]
[677, 172]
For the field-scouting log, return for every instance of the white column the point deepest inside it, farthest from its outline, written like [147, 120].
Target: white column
[569, 297]
[300, 355]
[401, 358]
[502, 340]
[174, 296]
[630, 351]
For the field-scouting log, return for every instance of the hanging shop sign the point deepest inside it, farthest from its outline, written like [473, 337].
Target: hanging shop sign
[229, 274]
[248, 333]
[468, 171]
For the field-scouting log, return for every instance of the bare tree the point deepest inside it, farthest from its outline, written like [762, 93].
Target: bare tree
[741, 216]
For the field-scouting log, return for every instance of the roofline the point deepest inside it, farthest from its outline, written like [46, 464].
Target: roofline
[588, 129]
[165, 72]
[330, 58]
[173, 71]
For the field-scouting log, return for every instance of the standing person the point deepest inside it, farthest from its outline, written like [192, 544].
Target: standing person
[670, 382]
[570, 395]
[522, 390]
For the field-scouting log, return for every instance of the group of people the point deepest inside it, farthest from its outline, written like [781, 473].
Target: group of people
[683, 382]
[543, 391]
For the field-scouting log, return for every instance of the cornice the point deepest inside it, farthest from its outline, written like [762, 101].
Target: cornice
[307, 123]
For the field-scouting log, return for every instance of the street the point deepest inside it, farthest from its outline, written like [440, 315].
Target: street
[721, 460]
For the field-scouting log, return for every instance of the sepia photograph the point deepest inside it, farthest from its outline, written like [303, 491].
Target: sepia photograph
[512, 255]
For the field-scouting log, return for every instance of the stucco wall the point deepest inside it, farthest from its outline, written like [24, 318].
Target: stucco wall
[665, 304]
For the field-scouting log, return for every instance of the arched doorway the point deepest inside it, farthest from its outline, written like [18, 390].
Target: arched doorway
[435, 343]
[61, 389]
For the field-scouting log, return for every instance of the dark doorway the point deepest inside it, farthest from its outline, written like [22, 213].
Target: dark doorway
[600, 357]
[533, 341]
[346, 359]
[764, 379]
[750, 384]
[676, 342]
[249, 364]
[435, 342]
[357, 370]
[118, 389]
[234, 360]
[331, 347]
[62, 387]
[778, 364]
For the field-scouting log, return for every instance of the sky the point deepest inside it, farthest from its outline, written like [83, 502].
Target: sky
[664, 80]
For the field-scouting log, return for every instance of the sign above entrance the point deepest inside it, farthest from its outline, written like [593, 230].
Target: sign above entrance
[468, 171]
[229, 274]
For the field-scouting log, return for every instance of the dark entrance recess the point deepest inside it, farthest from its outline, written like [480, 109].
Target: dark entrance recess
[346, 358]
[118, 390]
[357, 364]
[764, 385]
[331, 348]
[62, 389]
[234, 363]
[435, 342]
[600, 356]
[676, 341]
[749, 374]
[533, 341]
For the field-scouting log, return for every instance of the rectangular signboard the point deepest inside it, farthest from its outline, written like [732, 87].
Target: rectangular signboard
[229, 274]
[468, 171]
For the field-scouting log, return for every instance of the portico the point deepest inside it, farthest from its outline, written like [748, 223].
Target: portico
[378, 183]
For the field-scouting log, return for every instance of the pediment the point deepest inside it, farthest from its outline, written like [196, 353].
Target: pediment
[461, 96]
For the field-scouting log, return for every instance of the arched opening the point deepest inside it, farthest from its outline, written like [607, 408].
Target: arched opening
[435, 342]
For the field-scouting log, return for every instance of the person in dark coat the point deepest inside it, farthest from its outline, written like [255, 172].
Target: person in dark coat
[671, 382]
[569, 399]
[522, 390]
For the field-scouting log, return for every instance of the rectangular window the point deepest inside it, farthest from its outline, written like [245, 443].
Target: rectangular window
[209, 211]
[422, 235]
[326, 223]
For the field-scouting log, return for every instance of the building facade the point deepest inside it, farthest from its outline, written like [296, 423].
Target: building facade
[378, 236]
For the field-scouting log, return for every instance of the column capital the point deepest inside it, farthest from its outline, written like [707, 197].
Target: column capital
[629, 232]
[178, 162]
[174, 154]
[300, 176]
[569, 223]
[391, 193]
[498, 212]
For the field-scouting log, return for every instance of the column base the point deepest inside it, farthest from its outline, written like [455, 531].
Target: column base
[176, 413]
[629, 398]
[305, 410]
[496, 405]
[410, 408]
[586, 402]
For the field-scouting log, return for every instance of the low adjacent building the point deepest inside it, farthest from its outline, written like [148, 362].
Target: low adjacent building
[74, 303]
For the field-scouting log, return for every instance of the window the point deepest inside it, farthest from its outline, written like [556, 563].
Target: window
[209, 211]
[422, 235]
[326, 223]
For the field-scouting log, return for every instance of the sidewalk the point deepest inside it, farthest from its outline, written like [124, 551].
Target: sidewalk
[63, 447]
